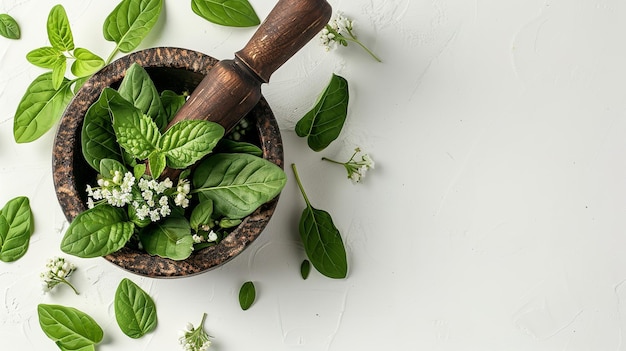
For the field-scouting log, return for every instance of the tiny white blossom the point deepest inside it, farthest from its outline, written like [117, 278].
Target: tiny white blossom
[340, 31]
[212, 236]
[195, 339]
[58, 270]
[197, 238]
[356, 168]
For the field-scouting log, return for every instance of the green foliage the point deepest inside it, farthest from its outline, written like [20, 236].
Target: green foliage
[130, 22]
[186, 142]
[16, 227]
[322, 124]
[305, 269]
[138, 88]
[9, 27]
[68, 327]
[247, 295]
[170, 238]
[233, 13]
[135, 311]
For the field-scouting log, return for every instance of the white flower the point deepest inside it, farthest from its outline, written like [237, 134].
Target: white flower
[212, 236]
[195, 339]
[340, 31]
[58, 270]
[356, 168]
[197, 238]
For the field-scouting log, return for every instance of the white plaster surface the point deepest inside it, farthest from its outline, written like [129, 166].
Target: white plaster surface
[494, 219]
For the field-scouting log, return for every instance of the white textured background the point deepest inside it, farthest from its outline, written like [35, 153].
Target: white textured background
[494, 219]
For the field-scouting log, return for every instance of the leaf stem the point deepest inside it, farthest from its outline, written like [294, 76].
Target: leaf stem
[110, 58]
[295, 172]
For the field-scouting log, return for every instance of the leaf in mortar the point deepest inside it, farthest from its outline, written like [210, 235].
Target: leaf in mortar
[172, 102]
[201, 214]
[157, 163]
[108, 167]
[324, 122]
[247, 295]
[86, 63]
[237, 147]
[130, 22]
[16, 227]
[137, 133]
[233, 13]
[70, 328]
[186, 142]
[9, 27]
[135, 310]
[40, 108]
[97, 232]
[59, 31]
[138, 88]
[170, 238]
[237, 183]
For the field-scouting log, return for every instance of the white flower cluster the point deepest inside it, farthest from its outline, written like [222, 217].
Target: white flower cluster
[182, 193]
[194, 339]
[58, 270]
[154, 204]
[211, 236]
[356, 168]
[335, 31]
[116, 191]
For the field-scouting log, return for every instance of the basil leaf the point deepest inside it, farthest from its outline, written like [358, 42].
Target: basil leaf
[58, 72]
[138, 88]
[305, 269]
[130, 22]
[229, 222]
[97, 232]
[170, 238]
[16, 227]
[172, 102]
[86, 63]
[237, 183]
[135, 310]
[233, 13]
[322, 243]
[98, 138]
[70, 328]
[324, 122]
[45, 57]
[237, 147]
[109, 166]
[201, 214]
[247, 294]
[139, 170]
[59, 31]
[9, 27]
[137, 133]
[156, 160]
[40, 108]
[188, 141]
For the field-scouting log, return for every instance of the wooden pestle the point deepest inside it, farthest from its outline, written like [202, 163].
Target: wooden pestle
[233, 87]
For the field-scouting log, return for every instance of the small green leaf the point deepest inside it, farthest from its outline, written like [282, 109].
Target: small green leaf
[45, 57]
[305, 269]
[324, 122]
[229, 222]
[139, 170]
[237, 183]
[156, 160]
[9, 27]
[186, 142]
[201, 214]
[172, 102]
[138, 88]
[135, 132]
[40, 108]
[108, 167]
[58, 72]
[16, 227]
[247, 295]
[237, 147]
[170, 238]
[97, 232]
[86, 63]
[68, 327]
[135, 310]
[233, 13]
[59, 31]
[130, 22]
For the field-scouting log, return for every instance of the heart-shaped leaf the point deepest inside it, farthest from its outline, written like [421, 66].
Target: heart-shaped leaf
[86, 63]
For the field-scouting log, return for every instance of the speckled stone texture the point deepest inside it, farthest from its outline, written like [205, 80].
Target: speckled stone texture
[179, 70]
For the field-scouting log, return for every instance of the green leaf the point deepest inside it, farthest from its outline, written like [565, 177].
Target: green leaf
[98, 138]
[59, 31]
[45, 57]
[238, 183]
[40, 108]
[247, 294]
[9, 27]
[201, 214]
[229, 222]
[58, 72]
[16, 227]
[138, 88]
[237, 147]
[324, 122]
[305, 269]
[135, 310]
[156, 160]
[186, 142]
[170, 238]
[97, 232]
[139, 170]
[70, 328]
[172, 102]
[135, 132]
[130, 22]
[86, 63]
[233, 13]
[108, 167]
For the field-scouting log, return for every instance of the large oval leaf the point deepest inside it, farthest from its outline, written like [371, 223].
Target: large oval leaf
[170, 238]
[238, 183]
[135, 310]
[59, 31]
[186, 142]
[16, 227]
[9, 27]
[138, 88]
[70, 328]
[233, 13]
[322, 243]
[97, 232]
[324, 122]
[40, 108]
[130, 22]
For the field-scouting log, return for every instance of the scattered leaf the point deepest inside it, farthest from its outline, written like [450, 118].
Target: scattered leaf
[247, 295]
[135, 310]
